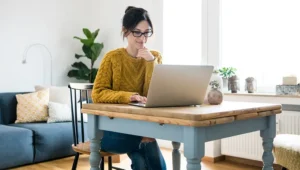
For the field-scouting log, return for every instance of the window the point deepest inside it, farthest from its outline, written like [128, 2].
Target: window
[182, 32]
[261, 38]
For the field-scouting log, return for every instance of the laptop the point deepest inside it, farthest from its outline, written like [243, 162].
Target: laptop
[177, 85]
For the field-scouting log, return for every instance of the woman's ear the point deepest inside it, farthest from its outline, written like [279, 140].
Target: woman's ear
[123, 29]
[125, 32]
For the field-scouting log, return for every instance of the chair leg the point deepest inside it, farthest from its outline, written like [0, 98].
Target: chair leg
[110, 167]
[102, 163]
[75, 161]
[109, 163]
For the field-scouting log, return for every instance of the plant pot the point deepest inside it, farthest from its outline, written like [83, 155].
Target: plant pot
[225, 83]
[215, 97]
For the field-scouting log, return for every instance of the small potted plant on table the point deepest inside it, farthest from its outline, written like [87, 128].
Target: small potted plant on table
[226, 73]
[215, 96]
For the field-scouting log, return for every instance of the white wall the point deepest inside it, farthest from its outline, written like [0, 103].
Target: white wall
[54, 23]
[184, 46]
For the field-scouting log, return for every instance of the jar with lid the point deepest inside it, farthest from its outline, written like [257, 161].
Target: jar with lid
[250, 85]
[233, 84]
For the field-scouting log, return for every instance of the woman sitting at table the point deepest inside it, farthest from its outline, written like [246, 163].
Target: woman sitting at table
[124, 76]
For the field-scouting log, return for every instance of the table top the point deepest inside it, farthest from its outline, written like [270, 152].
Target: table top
[204, 115]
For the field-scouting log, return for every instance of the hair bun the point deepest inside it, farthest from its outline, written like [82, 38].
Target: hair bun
[129, 8]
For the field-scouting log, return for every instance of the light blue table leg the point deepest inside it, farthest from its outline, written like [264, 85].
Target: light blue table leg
[95, 137]
[194, 141]
[268, 136]
[176, 155]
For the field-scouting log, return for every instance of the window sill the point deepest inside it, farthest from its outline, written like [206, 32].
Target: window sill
[260, 95]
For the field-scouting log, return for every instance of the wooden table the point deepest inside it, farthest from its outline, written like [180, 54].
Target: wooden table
[192, 126]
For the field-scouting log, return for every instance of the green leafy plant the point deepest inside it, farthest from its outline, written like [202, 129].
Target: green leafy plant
[227, 72]
[216, 71]
[91, 51]
[214, 84]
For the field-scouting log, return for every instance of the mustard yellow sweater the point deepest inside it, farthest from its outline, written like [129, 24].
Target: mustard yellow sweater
[121, 75]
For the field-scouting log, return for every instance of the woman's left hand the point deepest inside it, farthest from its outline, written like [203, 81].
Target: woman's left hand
[145, 53]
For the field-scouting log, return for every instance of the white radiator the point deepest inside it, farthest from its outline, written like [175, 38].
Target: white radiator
[249, 146]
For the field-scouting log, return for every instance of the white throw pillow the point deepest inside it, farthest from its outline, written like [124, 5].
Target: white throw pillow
[58, 94]
[62, 113]
[60, 100]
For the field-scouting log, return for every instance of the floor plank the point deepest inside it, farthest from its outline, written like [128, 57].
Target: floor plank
[83, 164]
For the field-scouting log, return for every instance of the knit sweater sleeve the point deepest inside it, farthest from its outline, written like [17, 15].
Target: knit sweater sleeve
[149, 70]
[102, 90]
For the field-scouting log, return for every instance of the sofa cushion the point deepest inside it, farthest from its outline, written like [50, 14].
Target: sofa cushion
[62, 113]
[8, 107]
[57, 94]
[32, 107]
[51, 140]
[16, 146]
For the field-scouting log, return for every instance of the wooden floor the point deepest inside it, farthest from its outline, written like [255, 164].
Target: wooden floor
[83, 164]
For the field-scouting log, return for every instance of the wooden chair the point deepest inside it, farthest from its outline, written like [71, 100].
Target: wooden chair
[79, 93]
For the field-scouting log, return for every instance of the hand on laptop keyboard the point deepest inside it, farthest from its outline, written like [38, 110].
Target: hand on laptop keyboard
[138, 98]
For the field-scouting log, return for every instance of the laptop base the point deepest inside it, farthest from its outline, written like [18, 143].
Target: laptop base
[138, 104]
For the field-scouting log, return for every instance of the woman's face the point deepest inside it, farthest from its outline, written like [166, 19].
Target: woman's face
[137, 38]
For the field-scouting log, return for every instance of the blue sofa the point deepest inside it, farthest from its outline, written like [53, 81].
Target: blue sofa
[29, 143]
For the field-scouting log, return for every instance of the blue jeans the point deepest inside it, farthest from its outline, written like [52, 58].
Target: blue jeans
[144, 156]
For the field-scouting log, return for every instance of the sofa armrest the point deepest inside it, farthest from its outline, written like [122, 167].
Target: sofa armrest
[8, 106]
[1, 117]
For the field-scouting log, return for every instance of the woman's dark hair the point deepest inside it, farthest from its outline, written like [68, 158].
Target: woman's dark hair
[133, 16]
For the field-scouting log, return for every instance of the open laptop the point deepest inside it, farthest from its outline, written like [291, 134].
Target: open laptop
[177, 85]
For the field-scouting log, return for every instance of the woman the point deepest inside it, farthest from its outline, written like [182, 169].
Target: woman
[124, 76]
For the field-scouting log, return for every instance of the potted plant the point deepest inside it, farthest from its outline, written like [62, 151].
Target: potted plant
[92, 51]
[215, 96]
[226, 72]
[216, 77]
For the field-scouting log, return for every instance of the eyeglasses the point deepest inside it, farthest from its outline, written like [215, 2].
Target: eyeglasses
[139, 33]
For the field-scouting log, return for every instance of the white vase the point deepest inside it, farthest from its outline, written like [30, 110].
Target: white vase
[225, 84]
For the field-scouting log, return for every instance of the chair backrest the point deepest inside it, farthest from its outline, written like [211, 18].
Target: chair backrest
[79, 93]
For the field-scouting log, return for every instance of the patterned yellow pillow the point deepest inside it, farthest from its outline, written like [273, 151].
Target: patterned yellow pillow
[32, 107]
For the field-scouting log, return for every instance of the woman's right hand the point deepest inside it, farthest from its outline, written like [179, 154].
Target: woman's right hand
[138, 98]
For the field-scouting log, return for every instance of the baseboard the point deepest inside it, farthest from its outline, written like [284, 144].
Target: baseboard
[168, 145]
[213, 159]
[249, 162]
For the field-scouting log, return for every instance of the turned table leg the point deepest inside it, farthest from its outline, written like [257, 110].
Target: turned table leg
[268, 136]
[176, 155]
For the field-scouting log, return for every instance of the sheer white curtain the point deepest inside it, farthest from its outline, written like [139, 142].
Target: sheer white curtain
[261, 38]
[182, 32]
